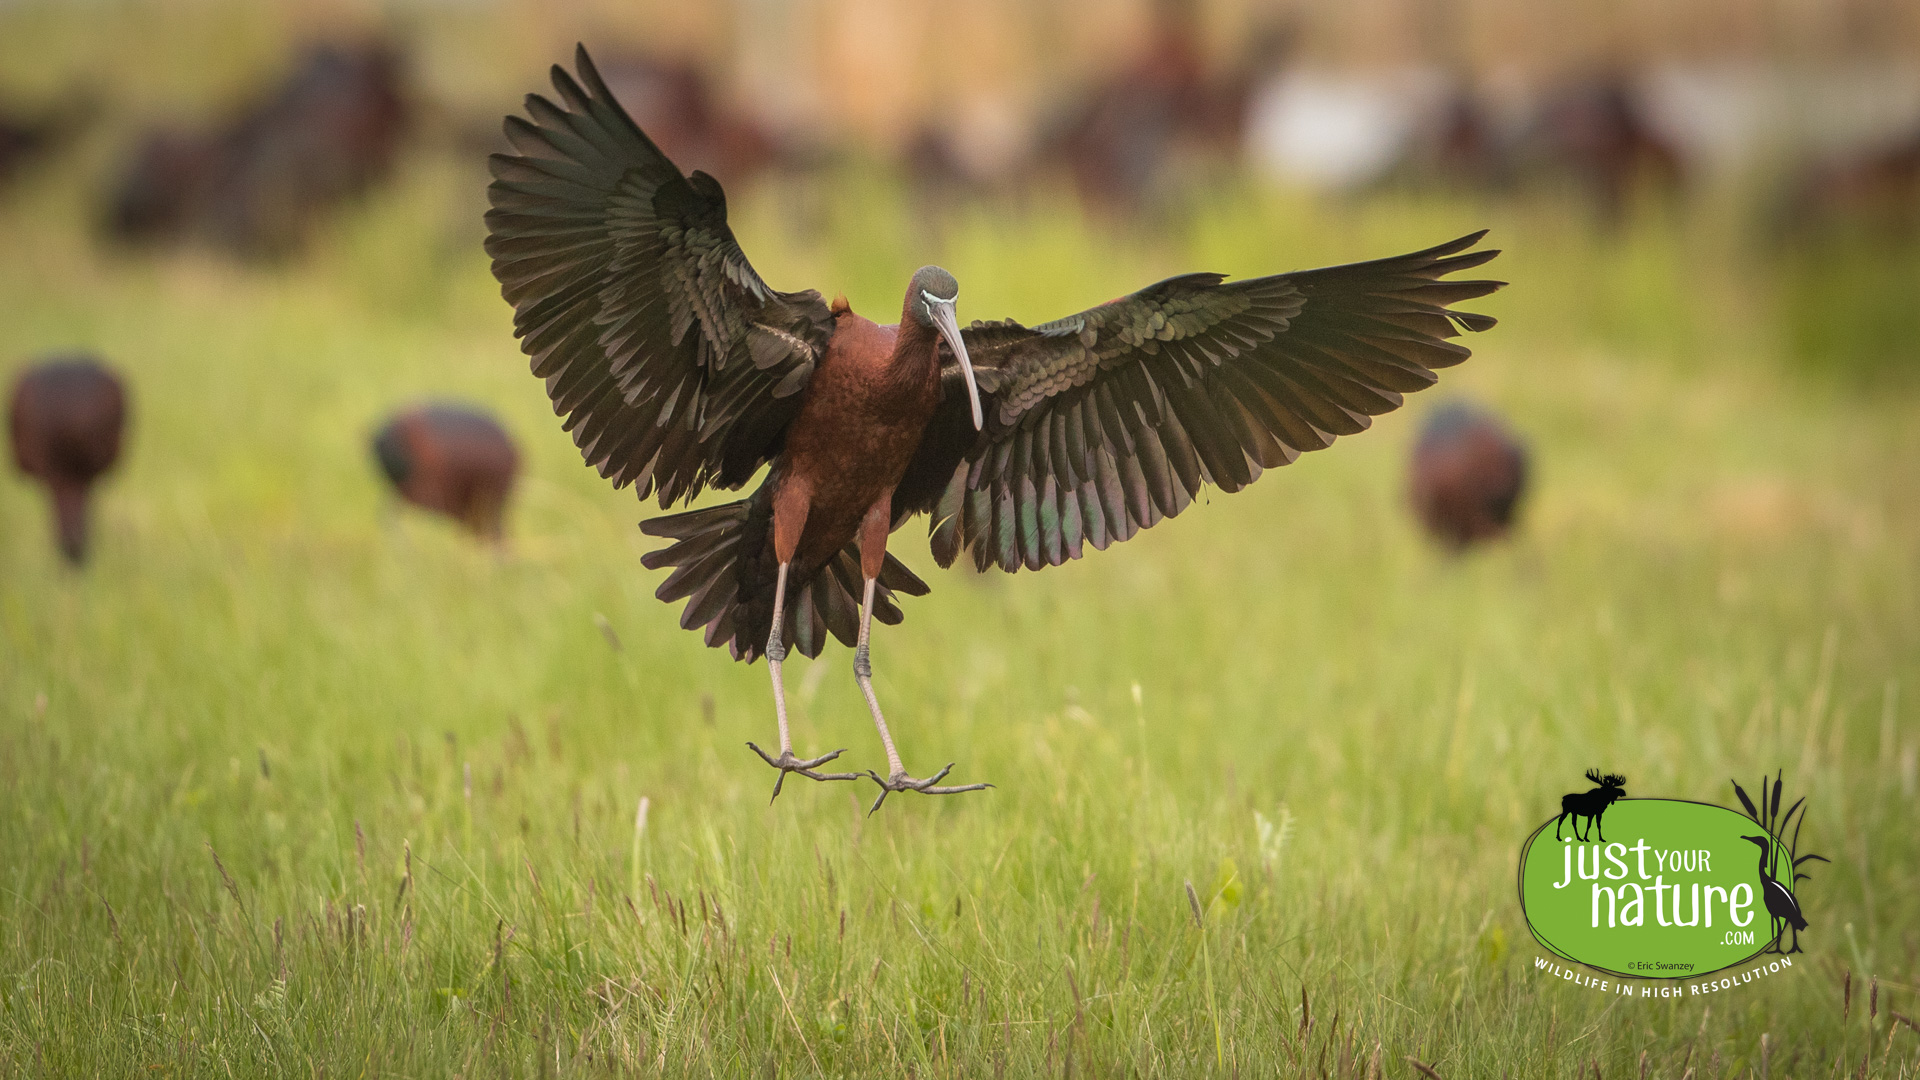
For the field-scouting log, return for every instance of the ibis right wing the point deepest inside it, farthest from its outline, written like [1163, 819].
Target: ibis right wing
[1103, 423]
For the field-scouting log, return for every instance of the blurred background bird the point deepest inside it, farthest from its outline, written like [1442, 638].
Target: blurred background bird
[258, 184]
[67, 418]
[30, 135]
[1468, 474]
[1695, 466]
[451, 459]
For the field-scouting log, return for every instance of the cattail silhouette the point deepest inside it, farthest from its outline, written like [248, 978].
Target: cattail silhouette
[67, 417]
[1782, 906]
[1468, 475]
[451, 459]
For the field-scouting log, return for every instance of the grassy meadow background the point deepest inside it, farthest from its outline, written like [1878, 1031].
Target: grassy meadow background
[294, 781]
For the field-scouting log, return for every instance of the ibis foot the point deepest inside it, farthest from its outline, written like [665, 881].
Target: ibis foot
[900, 781]
[787, 763]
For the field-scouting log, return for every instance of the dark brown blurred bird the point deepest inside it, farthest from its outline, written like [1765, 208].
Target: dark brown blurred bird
[678, 368]
[165, 186]
[1871, 194]
[1460, 145]
[676, 103]
[1127, 139]
[257, 185]
[25, 137]
[1597, 134]
[1468, 475]
[20, 139]
[453, 460]
[67, 418]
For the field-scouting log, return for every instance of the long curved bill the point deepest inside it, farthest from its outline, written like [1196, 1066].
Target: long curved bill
[950, 329]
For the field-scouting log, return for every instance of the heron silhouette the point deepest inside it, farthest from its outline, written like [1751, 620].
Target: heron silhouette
[1781, 906]
[1779, 898]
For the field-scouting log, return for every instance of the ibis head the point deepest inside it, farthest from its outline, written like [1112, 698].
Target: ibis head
[930, 298]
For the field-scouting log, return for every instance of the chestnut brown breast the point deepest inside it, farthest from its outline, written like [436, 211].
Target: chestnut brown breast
[867, 405]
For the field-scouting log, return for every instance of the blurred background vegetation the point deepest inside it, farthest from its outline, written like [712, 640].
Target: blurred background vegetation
[418, 759]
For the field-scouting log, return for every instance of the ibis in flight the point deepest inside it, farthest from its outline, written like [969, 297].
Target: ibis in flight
[678, 368]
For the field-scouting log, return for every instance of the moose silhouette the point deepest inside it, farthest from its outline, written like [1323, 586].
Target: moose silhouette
[1591, 804]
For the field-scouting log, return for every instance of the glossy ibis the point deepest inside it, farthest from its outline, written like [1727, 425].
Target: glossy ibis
[678, 368]
[258, 184]
[1872, 193]
[27, 136]
[1468, 474]
[677, 104]
[1781, 905]
[1131, 139]
[1597, 134]
[67, 418]
[450, 459]
[1459, 144]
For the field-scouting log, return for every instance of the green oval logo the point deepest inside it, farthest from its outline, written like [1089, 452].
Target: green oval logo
[1657, 888]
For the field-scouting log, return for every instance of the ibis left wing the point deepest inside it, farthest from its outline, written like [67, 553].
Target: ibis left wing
[675, 364]
[1103, 423]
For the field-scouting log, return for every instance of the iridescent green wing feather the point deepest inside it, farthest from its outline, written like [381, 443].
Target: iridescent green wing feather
[1104, 423]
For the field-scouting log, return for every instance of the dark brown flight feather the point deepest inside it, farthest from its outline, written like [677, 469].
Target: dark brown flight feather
[1106, 422]
[675, 365]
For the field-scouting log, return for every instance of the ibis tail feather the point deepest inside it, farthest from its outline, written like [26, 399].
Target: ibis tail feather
[724, 567]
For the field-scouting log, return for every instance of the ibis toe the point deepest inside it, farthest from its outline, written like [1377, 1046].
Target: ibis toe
[806, 767]
[900, 781]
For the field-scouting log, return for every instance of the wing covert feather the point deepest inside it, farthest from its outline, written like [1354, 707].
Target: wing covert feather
[1103, 423]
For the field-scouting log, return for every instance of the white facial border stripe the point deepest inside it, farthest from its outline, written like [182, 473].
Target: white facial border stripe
[932, 299]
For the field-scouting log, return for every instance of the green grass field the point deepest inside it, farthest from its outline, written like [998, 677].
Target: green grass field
[295, 782]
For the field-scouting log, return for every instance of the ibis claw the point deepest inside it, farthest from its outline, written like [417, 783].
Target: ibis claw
[900, 781]
[787, 763]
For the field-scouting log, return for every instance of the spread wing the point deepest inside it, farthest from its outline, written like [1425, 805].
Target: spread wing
[674, 364]
[1103, 423]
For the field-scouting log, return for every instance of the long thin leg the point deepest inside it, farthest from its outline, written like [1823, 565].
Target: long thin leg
[897, 778]
[863, 674]
[777, 652]
[776, 655]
